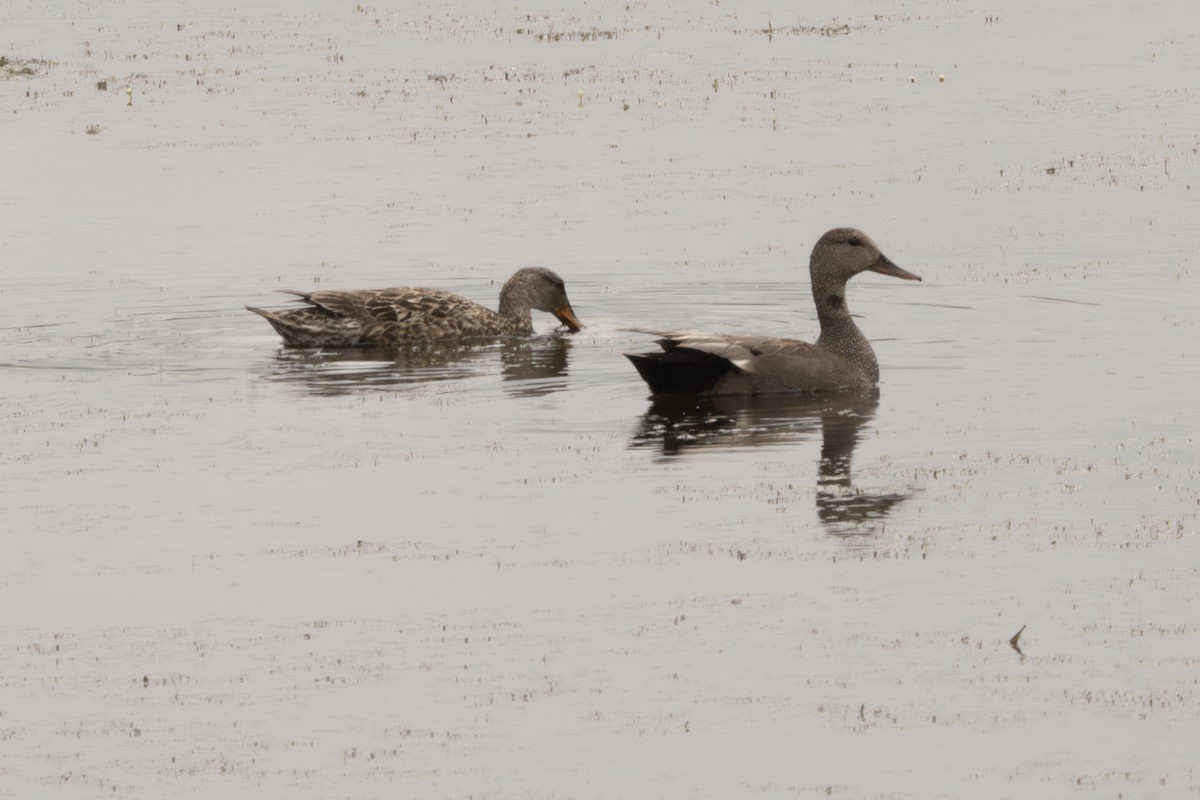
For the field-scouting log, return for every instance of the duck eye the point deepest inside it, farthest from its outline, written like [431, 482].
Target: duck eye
[854, 241]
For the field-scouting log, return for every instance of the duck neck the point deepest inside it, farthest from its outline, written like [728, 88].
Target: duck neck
[839, 334]
[515, 308]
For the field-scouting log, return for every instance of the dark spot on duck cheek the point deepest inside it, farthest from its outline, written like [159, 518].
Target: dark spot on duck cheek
[834, 301]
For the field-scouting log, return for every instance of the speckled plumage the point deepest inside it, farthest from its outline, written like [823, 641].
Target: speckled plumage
[402, 315]
[842, 358]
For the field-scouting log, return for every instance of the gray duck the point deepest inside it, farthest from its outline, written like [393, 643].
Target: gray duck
[403, 315]
[841, 358]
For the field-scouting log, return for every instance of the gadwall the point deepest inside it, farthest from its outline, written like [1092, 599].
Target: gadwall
[842, 358]
[374, 317]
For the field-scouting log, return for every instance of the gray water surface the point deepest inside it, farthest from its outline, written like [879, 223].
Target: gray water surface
[235, 569]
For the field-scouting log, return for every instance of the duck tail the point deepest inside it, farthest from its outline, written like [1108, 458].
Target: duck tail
[280, 325]
[681, 371]
[294, 332]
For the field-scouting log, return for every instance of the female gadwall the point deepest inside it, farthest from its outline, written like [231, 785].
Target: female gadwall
[374, 317]
[842, 358]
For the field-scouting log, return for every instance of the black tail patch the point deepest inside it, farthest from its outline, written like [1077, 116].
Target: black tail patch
[681, 371]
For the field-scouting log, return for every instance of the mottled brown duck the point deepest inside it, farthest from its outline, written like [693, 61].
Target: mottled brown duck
[841, 358]
[403, 315]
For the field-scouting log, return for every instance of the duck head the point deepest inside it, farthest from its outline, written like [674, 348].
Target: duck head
[837, 257]
[538, 287]
[842, 253]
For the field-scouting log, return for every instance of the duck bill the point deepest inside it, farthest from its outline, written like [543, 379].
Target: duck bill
[884, 266]
[566, 315]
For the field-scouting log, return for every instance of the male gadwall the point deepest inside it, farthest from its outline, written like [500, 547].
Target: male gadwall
[374, 317]
[842, 358]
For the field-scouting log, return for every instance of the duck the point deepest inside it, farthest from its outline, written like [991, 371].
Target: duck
[696, 363]
[411, 315]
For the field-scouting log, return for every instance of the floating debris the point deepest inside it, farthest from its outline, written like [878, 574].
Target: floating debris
[592, 35]
[23, 67]
[805, 30]
[1013, 642]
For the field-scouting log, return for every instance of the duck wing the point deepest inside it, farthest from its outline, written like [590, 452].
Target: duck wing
[732, 347]
[404, 305]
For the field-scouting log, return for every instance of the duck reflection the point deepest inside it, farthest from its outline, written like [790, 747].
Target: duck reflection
[676, 425]
[535, 367]
[529, 367]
